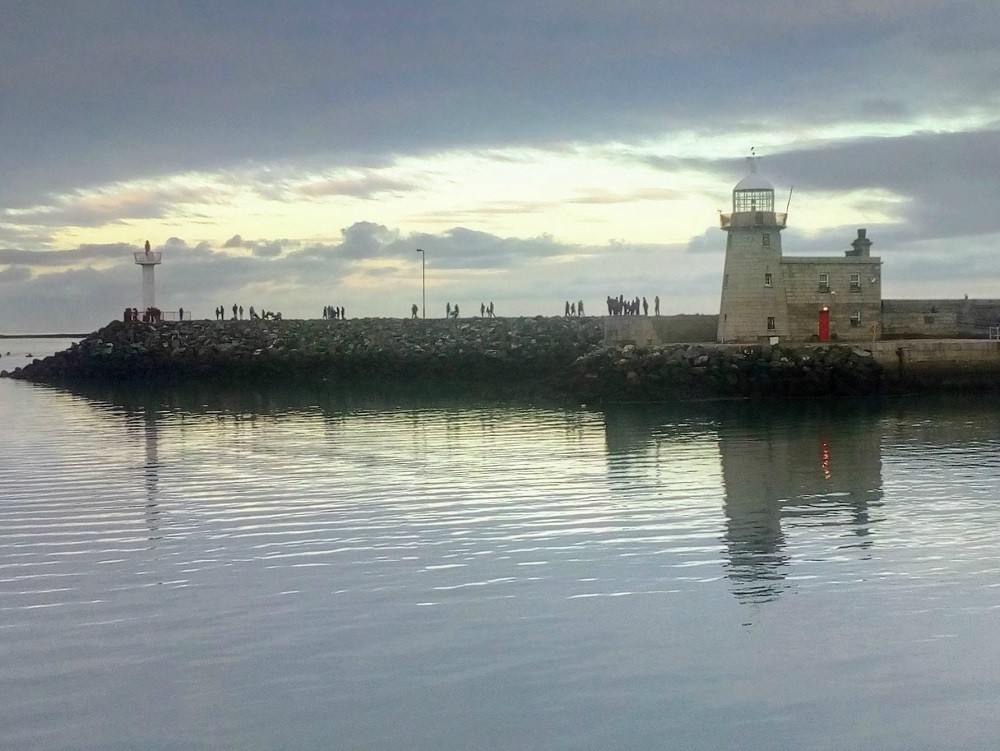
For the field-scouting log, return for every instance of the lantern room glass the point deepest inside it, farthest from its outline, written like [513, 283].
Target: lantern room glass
[753, 200]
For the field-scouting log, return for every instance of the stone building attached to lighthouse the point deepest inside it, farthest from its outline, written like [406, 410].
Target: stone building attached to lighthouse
[766, 294]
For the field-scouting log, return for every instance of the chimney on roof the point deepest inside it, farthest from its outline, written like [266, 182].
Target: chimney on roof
[862, 246]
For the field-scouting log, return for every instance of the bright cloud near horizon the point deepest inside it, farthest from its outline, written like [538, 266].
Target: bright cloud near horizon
[294, 155]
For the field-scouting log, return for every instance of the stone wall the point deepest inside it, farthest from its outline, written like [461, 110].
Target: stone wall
[629, 372]
[586, 358]
[920, 364]
[497, 350]
[747, 302]
[660, 329]
[940, 319]
[852, 310]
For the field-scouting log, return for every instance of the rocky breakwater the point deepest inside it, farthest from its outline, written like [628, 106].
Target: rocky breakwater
[664, 373]
[502, 351]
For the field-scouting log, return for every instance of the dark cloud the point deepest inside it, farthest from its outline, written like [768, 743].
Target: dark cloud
[107, 92]
[367, 240]
[524, 277]
[712, 240]
[950, 179]
[455, 249]
[176, 86]
[68, 301]
[73, 257]
[937, 185]
[271, 249]
[14, 274]
[110, 207]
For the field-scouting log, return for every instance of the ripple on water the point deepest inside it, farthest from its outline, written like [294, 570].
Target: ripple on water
[313, 550]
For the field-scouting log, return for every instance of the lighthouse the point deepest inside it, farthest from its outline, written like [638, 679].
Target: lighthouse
[148, 259]
[753, 304]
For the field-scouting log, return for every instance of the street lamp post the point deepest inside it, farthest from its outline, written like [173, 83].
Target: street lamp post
[423, 282]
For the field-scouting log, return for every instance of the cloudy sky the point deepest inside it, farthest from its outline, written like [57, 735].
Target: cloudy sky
[293, 154]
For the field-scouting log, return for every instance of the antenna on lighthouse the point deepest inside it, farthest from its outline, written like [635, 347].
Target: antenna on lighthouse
[789, 198]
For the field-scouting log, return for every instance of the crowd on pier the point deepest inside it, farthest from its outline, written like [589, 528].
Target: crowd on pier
[267, 315]
[619, 306]
[149, 315]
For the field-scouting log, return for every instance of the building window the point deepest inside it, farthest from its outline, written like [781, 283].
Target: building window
[856, 318]
[855, 282]
[770, 323]
[767, 240]
[767, 280]
[725, 281]
[824, 282]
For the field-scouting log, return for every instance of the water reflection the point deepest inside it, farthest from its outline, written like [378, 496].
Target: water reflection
[781, 466]
[151, 472]
[754, 491]
[320, 560]
[818, 464]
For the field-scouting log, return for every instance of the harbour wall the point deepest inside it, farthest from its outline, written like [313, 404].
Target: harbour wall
[897, 319]
[650, 330]
[590, 358]
[939, 319]
[919, 364]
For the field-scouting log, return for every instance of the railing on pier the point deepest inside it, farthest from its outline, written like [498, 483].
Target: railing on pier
[753, 219]
[134, 314]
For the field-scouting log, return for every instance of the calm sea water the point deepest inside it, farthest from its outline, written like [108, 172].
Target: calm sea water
[283, 570]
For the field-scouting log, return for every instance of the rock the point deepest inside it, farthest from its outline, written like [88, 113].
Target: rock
[562, 355]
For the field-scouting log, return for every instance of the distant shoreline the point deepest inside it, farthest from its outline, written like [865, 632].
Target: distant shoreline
[43, 336]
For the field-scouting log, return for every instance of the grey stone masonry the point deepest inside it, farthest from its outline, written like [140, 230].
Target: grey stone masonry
[766, 296]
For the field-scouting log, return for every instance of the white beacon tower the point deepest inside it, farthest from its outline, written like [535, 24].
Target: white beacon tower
[148, 259]
[753, 302]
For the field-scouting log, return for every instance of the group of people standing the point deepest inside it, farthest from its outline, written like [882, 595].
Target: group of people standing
[220, 314]
[451, 311]
[619, 306]
[150, 315]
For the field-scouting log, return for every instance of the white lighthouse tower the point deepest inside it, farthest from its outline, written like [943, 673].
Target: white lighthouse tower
[148, 259]
[753, 289]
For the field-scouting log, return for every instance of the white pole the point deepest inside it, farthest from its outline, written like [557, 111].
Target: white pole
[148, 286]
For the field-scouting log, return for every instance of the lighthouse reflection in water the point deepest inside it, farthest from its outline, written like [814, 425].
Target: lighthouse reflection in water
[280, 569]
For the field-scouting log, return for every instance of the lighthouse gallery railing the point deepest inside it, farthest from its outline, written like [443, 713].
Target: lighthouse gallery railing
[753, 219]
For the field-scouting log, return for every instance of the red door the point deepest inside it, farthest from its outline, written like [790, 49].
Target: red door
[824, 324]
